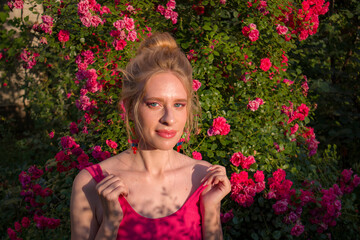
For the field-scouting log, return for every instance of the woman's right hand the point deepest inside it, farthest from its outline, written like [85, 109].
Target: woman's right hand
[109, 190]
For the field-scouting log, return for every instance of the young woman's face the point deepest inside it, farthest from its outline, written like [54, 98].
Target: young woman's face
[162, 112]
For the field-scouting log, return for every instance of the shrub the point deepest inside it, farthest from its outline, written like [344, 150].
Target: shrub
[254, 101]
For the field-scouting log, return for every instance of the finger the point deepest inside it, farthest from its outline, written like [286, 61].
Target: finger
[120, 190]
[210, 175]
[217, 175]
[106, 182]
[113, 191]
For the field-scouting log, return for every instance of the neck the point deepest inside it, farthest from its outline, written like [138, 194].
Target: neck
[154, 162]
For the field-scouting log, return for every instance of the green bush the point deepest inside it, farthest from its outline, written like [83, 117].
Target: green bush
[240, 54]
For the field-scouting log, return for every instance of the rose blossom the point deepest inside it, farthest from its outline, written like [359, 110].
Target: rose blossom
[265, 64]
[51, 134]
[227, 216]
[259, 176]
[119, 44]
[171, 4]
[196, 85]
[25, 222]
[129, 23]
[196, 155]
[63, 36]
[280, 206]
[297, 230]
[255, 104]
[132, 35]
[111, 143]
[119, 25]
[254, 35]
[281, 30]
[219, 127]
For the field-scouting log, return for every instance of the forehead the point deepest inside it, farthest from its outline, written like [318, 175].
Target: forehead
[165, 85]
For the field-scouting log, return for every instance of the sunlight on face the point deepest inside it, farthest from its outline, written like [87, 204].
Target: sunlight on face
[163, 112]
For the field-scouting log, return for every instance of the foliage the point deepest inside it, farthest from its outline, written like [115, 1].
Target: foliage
[331, 60]
[240, 54]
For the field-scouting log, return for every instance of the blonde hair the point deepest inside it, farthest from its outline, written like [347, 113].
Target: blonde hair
[156, 54]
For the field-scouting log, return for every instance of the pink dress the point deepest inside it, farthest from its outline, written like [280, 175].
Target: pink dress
[185, 223]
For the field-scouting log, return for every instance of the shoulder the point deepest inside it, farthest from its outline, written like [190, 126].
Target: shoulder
[199, 168]
[83, 182]
[117, 162]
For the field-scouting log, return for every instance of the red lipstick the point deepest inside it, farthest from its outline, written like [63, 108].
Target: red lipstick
[166, 133]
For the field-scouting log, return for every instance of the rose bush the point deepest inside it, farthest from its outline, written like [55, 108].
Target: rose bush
[255, 108]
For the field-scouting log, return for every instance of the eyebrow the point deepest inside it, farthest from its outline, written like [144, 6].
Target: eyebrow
[162, 100]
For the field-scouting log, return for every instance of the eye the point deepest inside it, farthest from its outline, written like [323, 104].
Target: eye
[179, 105]
[152, 104]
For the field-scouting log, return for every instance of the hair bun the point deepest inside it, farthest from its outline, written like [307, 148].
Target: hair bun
[163, 40]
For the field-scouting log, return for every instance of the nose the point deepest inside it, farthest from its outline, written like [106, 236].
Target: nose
[168, 117]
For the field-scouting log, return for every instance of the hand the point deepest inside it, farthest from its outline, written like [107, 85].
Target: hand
[218, 185]
[109, 190]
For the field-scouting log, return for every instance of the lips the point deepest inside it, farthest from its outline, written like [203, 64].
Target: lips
[166, 133]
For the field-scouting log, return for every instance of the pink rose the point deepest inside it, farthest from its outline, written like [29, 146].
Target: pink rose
[47, 20]
[196, 85]
[119, 25]
[17, 226]
[174, 16]
[25, 222]
[171, 4]
[19, 4]
[237, 158]
[252, 26]
[86, 21]
[119, 44]
[219, 127]
[254, 105]
[68, 142]
[247, 162]
[294, 128]
[265, 64]
[132, 36]
[111, 143]
[73, 128]
[12, 234]
[246, 31]
[288, 82]
[280, 206]
[129, 23]
[83, 7]
[259, 176]
[223, 1]
[95, 21]
[63, 36]
[227, 216]
[51, 134]
[83, 103]
[302, 111]
[281, 30]
[297, 230]
[254, 35]
[168, 13]
[161, 9]
[196, 155]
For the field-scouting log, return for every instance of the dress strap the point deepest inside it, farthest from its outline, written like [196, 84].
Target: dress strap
[96, 172]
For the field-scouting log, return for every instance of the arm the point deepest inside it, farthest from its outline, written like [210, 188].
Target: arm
[82, 207]
[211, 225]
[210, 201]
[86, 197]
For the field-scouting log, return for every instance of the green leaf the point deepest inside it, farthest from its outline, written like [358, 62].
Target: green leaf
[276, 234]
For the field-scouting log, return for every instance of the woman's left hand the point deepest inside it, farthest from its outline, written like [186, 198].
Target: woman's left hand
[218, 185]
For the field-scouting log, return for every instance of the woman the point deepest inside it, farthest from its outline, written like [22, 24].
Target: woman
[152, 191]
